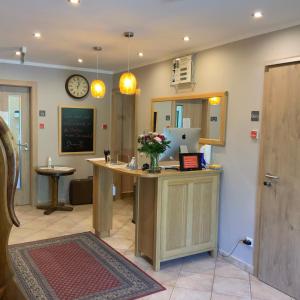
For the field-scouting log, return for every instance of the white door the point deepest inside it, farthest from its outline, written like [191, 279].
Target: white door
[14, 109]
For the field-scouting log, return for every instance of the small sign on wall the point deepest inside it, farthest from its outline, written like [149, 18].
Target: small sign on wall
[255, 116]
[42, 113]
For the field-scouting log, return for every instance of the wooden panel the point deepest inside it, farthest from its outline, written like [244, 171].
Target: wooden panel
[123, 137]
[102, 201]
[202, 213]
[174, 217]
[146, 211]
[189, 215]
[279, 238]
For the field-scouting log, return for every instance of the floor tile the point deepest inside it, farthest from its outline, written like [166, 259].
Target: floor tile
[164, 277]
[201, 282]
[216, 296]
[164, 295]
[226, 269]
[231, 286]
[188, 294]
[262, 291]
[199, 264]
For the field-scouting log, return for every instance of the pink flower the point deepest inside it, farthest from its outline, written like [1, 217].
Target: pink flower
[157, 139]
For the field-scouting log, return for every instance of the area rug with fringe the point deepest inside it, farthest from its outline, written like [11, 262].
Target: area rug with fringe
[78, 266]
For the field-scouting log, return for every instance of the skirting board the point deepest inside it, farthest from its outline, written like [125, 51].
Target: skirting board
[237, 262]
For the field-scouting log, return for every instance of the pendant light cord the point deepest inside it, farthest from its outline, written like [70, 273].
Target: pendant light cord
[128, 54]
[97, 64]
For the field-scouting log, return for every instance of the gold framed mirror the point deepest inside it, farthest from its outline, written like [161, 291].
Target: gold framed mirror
[206, 111]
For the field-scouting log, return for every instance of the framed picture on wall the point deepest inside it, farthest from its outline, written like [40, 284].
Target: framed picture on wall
[76, 130]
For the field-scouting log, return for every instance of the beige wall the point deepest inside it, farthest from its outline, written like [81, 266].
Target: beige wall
[51, 94]
[239, 69]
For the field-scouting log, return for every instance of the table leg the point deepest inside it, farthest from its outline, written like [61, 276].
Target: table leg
[55, 206]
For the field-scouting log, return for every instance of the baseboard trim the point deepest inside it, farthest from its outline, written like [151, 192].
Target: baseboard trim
[126, 195]
[237, 262]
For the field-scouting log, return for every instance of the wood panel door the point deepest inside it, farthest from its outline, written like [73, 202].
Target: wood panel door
[15, 110]
[123, 138]
[279, 242]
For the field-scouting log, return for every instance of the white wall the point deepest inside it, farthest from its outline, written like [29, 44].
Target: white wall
[239, 69]
[51, 94]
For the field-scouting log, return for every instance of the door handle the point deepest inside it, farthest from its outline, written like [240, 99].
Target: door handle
[270, 176]
[25, 146]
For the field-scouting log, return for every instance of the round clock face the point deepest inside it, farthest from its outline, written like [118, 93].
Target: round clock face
[77, 86]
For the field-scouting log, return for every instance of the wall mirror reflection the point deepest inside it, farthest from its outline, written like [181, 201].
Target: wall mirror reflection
[205, 111]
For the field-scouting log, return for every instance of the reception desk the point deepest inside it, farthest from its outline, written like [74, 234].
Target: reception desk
[176, 212]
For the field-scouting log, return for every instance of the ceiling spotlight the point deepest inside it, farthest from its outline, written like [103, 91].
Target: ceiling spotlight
[186, 38]
[75, 2]
[18, 53]
[80, 60]
[257, 15]
[140, 54]
[37, 35]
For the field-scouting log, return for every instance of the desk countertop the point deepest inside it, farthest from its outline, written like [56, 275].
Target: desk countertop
[122, 168]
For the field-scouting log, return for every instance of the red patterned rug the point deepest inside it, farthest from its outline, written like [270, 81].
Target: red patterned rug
[78, 266]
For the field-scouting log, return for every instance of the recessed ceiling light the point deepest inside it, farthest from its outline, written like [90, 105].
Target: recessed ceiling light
[75, 2]
[37, 35]
[186, 38]
[18, 53]
[257, 15]
[140, 54]
[80, 60]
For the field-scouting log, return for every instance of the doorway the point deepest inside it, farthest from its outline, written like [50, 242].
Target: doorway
[123, 138]
[18, 107]
[278, 258]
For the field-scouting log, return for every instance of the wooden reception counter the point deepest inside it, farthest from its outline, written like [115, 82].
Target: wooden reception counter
[176, 212]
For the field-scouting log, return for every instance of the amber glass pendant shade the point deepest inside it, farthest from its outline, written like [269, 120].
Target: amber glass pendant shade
[98, 88]
[127, 84]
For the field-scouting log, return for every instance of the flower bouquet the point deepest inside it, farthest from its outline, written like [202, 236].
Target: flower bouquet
[153, 144]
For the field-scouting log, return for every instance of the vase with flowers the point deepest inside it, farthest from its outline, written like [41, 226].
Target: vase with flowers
[153, 144]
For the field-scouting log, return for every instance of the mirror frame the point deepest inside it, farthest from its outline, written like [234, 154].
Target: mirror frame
[189, 97]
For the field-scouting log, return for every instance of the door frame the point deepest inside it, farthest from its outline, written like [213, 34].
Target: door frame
[260, 177]
[33, 110]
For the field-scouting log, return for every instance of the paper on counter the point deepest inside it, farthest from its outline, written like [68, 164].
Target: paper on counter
[96, 159]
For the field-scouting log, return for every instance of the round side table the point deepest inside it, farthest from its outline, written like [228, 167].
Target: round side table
[55, 173]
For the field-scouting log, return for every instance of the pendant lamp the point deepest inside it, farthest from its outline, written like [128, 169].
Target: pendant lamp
[128, 83]
[214, 100]
[98, 86]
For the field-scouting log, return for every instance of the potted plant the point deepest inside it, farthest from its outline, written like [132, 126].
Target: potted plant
[153, 144]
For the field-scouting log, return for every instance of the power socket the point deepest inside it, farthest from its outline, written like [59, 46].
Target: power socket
[248, 242]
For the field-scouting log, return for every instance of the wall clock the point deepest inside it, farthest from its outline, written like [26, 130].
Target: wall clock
[77, 86]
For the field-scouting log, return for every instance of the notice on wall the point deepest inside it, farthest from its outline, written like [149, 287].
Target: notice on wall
[186, 122]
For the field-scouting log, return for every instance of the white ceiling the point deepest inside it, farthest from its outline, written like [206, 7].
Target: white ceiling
[70, 32]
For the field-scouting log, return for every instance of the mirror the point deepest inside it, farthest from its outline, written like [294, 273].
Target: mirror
[205, 111]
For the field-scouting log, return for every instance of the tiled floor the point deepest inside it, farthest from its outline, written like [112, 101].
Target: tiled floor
[199, 277]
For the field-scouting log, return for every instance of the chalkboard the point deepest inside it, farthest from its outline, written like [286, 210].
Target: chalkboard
[76, 130]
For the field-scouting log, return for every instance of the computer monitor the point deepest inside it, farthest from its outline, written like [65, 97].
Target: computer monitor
[188, 137]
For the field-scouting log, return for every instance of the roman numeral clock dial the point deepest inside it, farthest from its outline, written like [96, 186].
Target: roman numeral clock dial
[77, 86]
